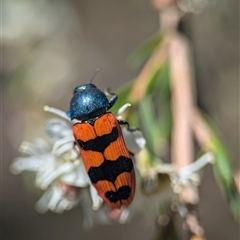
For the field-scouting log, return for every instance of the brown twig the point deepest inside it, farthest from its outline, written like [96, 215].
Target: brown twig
[182, 101]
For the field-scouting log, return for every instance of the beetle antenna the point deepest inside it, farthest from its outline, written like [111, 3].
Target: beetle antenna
[95, 74]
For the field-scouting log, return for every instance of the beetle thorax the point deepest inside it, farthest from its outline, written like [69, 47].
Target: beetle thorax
[88, 104]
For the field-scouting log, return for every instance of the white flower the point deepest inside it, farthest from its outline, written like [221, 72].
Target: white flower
[60, 171]
[174, 181]
[58, 198]
[188, 176]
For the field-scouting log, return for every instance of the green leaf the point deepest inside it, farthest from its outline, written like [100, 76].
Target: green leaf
[165, 127]
[159, 84]
[224, 175]
[149, 125]
[145, 50]
[159, 92]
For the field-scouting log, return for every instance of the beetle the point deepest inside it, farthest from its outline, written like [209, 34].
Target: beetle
[99, 138]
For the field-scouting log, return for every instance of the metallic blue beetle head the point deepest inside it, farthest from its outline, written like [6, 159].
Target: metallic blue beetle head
[88, 102]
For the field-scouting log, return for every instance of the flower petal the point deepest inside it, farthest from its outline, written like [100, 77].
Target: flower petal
[77, 177]
[122, 109]
[58, 112]
[26, 164]
[42, 204]
[134, 140]
[96, 199]
[50, 176]
[61, 142]
[57, 128]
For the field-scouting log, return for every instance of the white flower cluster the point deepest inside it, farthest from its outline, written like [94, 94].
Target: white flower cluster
[61, 174]
[59, 168]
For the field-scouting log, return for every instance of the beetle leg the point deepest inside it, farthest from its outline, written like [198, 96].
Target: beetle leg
[124, 122]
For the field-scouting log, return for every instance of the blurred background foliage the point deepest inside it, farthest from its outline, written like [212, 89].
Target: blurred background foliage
[49, 47]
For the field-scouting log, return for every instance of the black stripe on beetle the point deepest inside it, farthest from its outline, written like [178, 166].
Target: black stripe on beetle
[100, 143]
[121, 194]
[109, 170]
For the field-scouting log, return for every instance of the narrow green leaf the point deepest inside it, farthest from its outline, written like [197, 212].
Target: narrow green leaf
[145, 50]
[165, 127]
[224, 175]
[159, 84]
[159, 92]
[149, 125]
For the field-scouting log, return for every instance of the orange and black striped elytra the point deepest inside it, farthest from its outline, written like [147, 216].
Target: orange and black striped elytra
[99, 138]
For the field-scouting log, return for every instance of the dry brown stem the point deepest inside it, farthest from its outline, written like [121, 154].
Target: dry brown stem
[182, 101]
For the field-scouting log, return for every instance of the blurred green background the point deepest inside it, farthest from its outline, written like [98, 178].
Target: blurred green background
[49, 47]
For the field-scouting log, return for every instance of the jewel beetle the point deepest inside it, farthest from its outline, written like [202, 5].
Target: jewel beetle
[99, 138]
